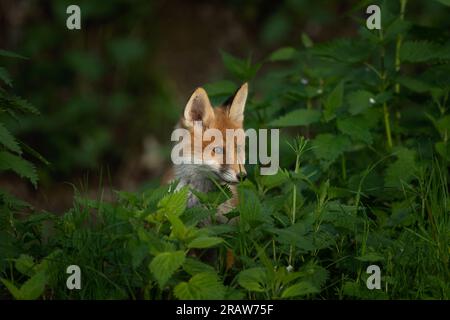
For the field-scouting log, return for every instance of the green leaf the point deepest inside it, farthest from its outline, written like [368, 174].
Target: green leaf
[165, 264]
[7, 139]
[242, 69]
[178, 228]
[300, 117]
[443, 148]
[306, 40]
[249, 208]
[398, 27]
[402, 170]
[205, 242]
[329, 147]
[23, 168]
[4, 76]
[174, 203]
[202, 286]
[253, 279]
[24, 106]
[333, 102]
[296, 235]
[359, 101]
[24, 264]
[422, 51]
[299, 289]
[283, 54]
[355, 127]
[414, 84]
[220, 88]
[343, 50]
[34, 287]
[10, 54]
[193, 267]
[15, 292]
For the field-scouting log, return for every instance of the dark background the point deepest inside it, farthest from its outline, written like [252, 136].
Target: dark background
[110, 93]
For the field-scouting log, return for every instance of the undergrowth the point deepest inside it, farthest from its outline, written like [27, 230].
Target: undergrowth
[366, 184]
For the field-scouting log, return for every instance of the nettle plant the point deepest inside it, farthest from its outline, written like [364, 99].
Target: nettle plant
[366, 183]
[11, 107]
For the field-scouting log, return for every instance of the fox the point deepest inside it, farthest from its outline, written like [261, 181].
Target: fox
[199, 114]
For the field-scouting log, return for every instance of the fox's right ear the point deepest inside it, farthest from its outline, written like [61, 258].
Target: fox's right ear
[198, 108]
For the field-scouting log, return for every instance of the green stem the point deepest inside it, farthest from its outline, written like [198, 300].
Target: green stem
[387, 125]
[398, 44]
[382, 89]
[294, 202]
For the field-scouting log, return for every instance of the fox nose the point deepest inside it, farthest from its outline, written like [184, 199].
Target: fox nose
[241, 176]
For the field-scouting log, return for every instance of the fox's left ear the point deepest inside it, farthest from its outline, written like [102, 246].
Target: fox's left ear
[236, 112]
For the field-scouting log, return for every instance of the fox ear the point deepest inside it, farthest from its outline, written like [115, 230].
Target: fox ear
[198, 108]
[236, 112]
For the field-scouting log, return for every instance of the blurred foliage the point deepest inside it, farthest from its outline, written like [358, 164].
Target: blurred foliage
[100, 89]
[366, 184]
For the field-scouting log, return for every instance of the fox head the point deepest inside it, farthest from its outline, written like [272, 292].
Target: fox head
[222, 155]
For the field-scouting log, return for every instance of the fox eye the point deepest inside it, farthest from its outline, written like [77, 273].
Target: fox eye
[218, 150]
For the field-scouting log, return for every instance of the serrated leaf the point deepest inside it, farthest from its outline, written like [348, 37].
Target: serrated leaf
[329, 147]
[333, 102]
[202, 286]
[242, 69]
[24, 264]
[178, 228]
[7, 139]
[193, 267]
[174, 203]
[355, 127]
[249, 208]
[23, 105]
[398, 27]
[344, 50]
[299, 289]
[300, 117]
[253, 279]
[205, 242]
[422, 51]
[283, 54]
[402, 170]
[165, 264]
[23, 168]
[359, 101]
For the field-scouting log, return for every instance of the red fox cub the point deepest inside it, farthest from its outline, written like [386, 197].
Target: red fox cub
[213, 155]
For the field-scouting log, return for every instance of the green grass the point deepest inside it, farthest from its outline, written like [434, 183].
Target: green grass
[295, 239]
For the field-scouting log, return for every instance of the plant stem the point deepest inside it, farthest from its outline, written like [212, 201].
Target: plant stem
[382, 89]
[387, 125]
[294, 198]
[398, 44]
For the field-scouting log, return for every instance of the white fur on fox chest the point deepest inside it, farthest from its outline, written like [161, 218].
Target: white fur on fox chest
[193, 176]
